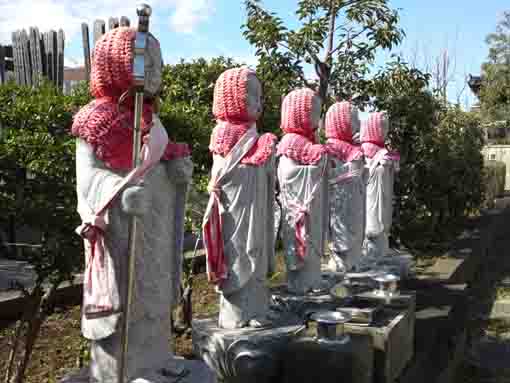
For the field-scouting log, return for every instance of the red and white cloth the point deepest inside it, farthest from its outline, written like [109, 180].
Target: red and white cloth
[234, 138]
[298, 144]
[97, 299]
[212, 226]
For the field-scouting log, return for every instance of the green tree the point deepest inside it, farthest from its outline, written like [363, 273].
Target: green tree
[495, 91]
[346, 33]
[441, 170]
[36, 144]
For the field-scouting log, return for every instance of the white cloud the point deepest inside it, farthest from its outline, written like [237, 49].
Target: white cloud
[190, 13]
[69, 14]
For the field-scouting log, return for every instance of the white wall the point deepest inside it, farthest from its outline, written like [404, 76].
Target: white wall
[499, 153]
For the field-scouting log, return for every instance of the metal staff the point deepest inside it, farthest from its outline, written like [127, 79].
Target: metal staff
[144, 11]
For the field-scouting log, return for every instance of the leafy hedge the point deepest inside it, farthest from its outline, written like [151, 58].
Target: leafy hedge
[441, 172]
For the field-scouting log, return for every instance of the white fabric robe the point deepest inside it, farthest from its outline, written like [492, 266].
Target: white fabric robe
[379, 208]
[158, 262]
[246, 209]
[346, 212]
[296, 183]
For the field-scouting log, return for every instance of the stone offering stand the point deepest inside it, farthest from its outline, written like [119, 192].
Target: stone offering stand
[377, 350]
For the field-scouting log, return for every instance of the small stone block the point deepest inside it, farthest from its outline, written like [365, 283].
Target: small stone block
[392, 335]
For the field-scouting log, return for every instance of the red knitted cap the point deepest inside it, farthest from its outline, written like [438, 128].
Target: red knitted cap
[230, 95]
[339, 121]
[373, 129]
[297, 112]
[112, 64]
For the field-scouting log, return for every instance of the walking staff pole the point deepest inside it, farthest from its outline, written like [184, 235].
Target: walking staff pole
[144, 12]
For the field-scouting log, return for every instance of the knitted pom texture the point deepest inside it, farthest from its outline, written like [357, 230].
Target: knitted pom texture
[300, 149]
[230, 95]
[372, 134]
[339, 132]
[338, 122]
[296, 115]
[230, 109]
[298, 141]
[105, 125]
[112, 63]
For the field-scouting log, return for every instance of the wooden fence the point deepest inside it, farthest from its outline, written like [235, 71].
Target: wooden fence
[32, 56]
[99, 29]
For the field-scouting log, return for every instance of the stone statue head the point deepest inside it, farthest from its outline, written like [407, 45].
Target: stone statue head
[375, 129]
[237, 96]
[301, 113]
[342, 121]
[153, 67]
[254, 97]
[112, 64]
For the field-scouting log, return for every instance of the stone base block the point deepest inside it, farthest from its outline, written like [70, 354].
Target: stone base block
[195, 371]
[392, 334]
[307, 360]
[247, 355]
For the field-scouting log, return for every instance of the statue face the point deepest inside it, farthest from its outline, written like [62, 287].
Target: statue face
[355, 122]
[316, 112]
[385, 126]
[153, 67]
[254, 97]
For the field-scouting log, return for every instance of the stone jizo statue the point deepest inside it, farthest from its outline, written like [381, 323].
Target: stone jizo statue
[346, 187]
[381, 166]
[302, 177]
[238, 228]
[109, 194]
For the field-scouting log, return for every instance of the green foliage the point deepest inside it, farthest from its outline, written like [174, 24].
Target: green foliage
[348, 32]
[186, 105]
[37, 167]
[441, 171]
[495, 91]
[494, 176]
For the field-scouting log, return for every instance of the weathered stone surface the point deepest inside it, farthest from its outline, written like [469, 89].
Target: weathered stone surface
[246, 354]
[392, 335]
[306, 360]
[195, 372]
[501, 309]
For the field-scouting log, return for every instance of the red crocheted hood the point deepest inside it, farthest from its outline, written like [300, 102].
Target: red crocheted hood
[339, 132]
[103, 123]
[372, 134]
[230, 110]
[298, 142]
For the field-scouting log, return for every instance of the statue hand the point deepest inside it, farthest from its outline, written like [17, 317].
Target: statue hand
[180, 170]
[134, 201]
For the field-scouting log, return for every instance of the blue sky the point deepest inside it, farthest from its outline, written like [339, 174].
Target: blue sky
[207, 28]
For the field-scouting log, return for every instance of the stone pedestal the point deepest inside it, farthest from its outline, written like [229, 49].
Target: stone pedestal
[392, 334]
[307, 361]
[195, 371]
[247, 355]
[289, 352]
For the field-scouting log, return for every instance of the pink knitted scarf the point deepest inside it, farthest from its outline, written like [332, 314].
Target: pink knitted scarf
[230, 110]
[298, 142]
[339, 132]
[105, 125]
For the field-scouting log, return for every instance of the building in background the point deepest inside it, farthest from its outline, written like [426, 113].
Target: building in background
[72, 77]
